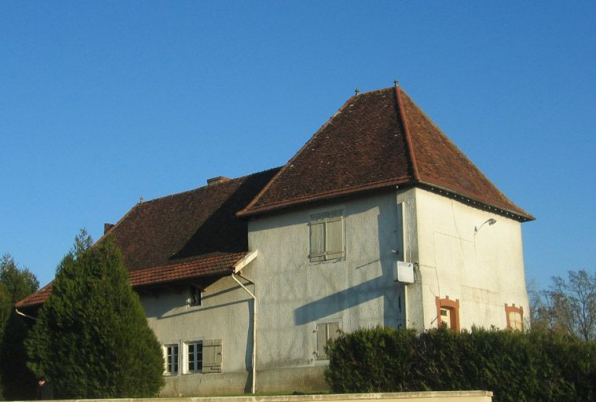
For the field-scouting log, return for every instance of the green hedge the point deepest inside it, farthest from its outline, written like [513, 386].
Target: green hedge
[534, 366]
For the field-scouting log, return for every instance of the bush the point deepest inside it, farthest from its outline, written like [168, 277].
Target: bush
[535, 366]
[92, 339]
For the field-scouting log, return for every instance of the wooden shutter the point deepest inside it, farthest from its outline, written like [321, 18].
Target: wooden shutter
[516, 321]
[333, 329]
[212, 356]
[317, 240]
[335, 238]
[321, 341]
[325, 333]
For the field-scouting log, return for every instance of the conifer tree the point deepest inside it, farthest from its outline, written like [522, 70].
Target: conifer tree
[17, 382]
[92, 339]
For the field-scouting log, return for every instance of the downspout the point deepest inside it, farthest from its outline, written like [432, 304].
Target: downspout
[254, 332]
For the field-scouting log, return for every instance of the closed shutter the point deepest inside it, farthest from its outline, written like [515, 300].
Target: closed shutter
[333, 331]
[212, 356]
[335, 238]
[516, 321]
[321, 341]
[317, 240]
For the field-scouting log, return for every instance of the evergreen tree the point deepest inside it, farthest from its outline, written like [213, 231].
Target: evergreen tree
[20, 283]
[92, 339]
[17, 381]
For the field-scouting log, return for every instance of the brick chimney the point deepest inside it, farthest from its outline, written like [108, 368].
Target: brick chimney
[107, 227]
[217, 180]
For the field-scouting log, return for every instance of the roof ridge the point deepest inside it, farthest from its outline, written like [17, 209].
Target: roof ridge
[244, 211]
[407, 133]
[372, 91]
[235, 179]
[466, 158]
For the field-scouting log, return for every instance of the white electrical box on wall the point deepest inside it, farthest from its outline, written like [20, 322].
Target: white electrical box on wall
[404, 272]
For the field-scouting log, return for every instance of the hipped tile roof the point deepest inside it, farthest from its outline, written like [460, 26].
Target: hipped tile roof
[196, 223]
[376, 140]
[182, 236]
[379, 139]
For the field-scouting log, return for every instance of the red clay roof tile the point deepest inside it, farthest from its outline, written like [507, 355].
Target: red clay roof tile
[377, 139]
[210, 265]
[182, 236]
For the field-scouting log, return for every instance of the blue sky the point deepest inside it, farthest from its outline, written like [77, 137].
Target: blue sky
[104, 102]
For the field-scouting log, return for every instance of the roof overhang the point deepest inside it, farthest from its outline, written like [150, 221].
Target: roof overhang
[244, 261]
[189, 271]
[474, 202]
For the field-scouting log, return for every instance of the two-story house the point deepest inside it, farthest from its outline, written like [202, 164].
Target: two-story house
[378, 220]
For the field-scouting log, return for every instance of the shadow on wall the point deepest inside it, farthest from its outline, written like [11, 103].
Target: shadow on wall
[382, 286]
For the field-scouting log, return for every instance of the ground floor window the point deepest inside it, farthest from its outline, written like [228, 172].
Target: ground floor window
[204, 356]
[448, 313]
[171, 352]
[326, 332]
[195, 356]
[515, 317]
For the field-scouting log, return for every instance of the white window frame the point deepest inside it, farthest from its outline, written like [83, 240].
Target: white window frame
[170, 365]
[197, 346]
[327, 327]
[326, 219]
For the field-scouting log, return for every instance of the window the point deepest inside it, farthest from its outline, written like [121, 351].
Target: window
[171, 359]
[515, 317]
[195, 296]
[325, 333]
[327, 236]
[448, 313]
[195, 356]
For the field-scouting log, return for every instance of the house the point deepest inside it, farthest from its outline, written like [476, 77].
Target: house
[378, 220]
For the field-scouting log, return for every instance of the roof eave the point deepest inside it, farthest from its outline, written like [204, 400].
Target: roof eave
[323, 196]
[522, 217]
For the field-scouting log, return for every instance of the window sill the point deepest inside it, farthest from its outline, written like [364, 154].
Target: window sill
[319, 262]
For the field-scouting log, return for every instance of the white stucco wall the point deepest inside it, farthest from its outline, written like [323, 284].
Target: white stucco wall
[225, 313]
[295, 294]
[484, 270]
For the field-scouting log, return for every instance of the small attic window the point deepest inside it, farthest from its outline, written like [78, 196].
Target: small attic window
[195, 298]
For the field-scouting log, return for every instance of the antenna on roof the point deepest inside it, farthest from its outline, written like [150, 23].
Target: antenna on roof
[357, 91]
[396, 82]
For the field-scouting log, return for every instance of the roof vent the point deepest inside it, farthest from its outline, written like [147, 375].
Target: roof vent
[217, 180]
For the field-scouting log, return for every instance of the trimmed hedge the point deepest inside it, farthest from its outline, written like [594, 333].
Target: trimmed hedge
[533, 366]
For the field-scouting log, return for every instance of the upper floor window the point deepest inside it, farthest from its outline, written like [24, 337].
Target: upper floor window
[327, 236]
[515, 317]
[195, 298]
